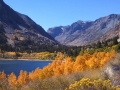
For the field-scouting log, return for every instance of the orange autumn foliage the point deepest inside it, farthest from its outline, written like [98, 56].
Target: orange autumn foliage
[62, 66]
[23, 78]
[36, 75]
[2, 76]
[12, 79]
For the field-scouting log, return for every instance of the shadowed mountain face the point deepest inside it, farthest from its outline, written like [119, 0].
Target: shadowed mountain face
[84, 32]
[20, 26]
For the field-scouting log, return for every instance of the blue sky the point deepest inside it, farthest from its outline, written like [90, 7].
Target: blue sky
[50, 13]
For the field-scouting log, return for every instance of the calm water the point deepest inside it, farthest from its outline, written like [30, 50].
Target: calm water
[16, 65]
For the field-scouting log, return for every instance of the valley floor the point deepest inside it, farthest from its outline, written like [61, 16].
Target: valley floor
[26, 56]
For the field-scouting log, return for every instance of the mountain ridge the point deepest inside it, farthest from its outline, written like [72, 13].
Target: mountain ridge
[19, 27]
[81, 34]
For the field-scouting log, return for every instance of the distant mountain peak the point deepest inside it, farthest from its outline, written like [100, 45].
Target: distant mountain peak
[84, 32]
[80, 21]
[114, 16]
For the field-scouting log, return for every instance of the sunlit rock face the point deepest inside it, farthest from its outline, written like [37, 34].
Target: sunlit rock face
[84, 32]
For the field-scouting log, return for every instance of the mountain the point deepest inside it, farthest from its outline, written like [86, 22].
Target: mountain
[84, 32]
[62, 33]
[112, 33]
[19, 27]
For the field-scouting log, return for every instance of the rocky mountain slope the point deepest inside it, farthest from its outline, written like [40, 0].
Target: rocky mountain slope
[112, 33]
[19, 27]
[84, 32]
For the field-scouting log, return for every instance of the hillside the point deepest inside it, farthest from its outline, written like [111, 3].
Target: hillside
[84, 32]
[19, 27]
[112, 33]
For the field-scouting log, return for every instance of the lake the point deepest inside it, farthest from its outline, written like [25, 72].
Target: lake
[16, 65]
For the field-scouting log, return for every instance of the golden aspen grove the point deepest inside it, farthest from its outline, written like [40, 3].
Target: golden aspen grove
[63, 66]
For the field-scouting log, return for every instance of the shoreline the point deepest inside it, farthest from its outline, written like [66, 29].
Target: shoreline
[2, 59]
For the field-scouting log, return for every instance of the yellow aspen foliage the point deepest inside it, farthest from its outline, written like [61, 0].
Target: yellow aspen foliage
[78, 68]
[79, 64]
[57, 71]
[80, 60]
[102, 54]
[23, 78]
[95, 54]
[36, 74]
[50, 71]
[62, 66]
[32, 76]
[104, 61]
[67, 70]
[91, 63]
[65, 66]
[68, 67]
[87, 56]
[47, 71]
[12, 79]
[59, 56]
[113, 53]
[2, 76]
[68, 60]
